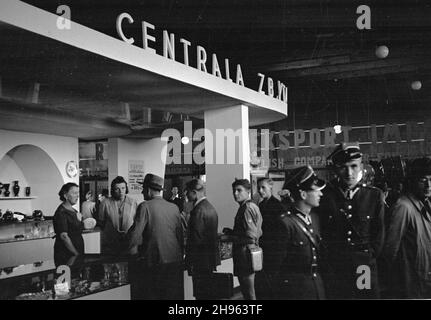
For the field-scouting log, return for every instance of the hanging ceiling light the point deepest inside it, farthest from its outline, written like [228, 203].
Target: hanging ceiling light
[185, 140]
[416, 85]
[382, 52]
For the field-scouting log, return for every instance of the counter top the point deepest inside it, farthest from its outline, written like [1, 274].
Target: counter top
[51, 235]
[49, 265]
[90, 273]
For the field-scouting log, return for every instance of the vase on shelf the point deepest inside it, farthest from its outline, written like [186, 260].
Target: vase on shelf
[6, 190]
[16, 188]
[27, 191]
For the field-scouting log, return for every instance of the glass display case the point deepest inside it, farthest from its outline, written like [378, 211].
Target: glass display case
[26, 230]
[89, 275]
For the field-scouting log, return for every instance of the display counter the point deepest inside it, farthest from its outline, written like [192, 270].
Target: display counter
[93, 277]
[34, 241]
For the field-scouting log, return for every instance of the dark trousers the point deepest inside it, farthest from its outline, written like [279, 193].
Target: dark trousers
[342, 281]
[161, 282]
[201, 288]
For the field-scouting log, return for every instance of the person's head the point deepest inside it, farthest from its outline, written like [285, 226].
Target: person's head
[264, 187]
[347, 164]
[305, 187]
[195, 190]
[69, 193]
[89, 195]
[103, 195]
[420, 177]
[241, 189]
[119, 188]
[152, 186]
[174, 191]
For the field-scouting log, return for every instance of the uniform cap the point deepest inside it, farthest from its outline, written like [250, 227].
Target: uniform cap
[344, 153]
[303, 178]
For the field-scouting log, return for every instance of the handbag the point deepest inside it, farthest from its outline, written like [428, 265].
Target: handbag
[216, 285]
[255, 255]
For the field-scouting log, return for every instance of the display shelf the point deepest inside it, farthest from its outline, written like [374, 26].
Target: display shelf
[17, 198]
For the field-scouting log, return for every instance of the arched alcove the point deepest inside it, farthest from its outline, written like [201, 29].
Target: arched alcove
[32, 167]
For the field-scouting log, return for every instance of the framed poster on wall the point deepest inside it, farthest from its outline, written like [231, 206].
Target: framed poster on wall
[136, 175]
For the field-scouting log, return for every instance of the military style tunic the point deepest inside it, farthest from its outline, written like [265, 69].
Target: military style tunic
[353, 232]
[292, 257]
[247, 230]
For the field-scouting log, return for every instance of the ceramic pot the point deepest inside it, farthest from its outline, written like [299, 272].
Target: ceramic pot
[16, 188]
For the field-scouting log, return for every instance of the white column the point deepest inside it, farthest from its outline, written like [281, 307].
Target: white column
[121, 152]
[228, 160]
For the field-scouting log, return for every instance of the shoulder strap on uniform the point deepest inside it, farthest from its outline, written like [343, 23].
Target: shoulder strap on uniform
[307, 233]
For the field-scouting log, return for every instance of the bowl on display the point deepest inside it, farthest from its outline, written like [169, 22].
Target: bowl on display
[89, 223]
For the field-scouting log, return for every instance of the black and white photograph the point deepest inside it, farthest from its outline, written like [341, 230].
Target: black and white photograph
[230, 151]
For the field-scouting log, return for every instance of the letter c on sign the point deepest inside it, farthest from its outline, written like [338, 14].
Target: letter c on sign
[120, 30]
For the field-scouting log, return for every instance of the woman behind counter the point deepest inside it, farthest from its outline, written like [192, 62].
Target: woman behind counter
[68, 226]
[246, 233]
[116, 216]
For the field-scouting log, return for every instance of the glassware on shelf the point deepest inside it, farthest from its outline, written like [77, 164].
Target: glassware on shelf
[107, 270]
[50, 229]
[122, 273]
[35, 230]
[16, 188]
[6, 189]
[86, 273]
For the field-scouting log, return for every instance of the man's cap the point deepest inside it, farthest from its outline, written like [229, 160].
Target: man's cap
[195, 185]
[420, 167]
[153, 181]
[345, 152]
[303, 178]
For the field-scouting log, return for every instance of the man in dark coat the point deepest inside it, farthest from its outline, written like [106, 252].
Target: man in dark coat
[175, 198]
[270, 207]
[292, 250]
[407, 249]
[158, 233]
[202, 252]
[351, 215]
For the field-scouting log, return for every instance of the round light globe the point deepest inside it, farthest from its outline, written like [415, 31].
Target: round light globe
[185, 140]
[382, 52]
[416, 85]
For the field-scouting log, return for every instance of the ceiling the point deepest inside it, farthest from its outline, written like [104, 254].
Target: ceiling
[313, 46]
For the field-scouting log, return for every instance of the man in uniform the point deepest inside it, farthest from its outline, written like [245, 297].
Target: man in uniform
[292, 248]
[352, 228]
[158, 233]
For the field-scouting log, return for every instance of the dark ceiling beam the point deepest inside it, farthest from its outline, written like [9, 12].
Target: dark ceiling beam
[391, 70]
[353, 66]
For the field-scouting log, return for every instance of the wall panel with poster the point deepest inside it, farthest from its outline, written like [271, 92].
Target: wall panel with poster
[135, 176]
[93, 164]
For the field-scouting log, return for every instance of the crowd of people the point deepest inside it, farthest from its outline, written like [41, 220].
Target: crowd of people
[323, 240]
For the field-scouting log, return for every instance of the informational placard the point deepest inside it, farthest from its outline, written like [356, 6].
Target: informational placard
[136, 175]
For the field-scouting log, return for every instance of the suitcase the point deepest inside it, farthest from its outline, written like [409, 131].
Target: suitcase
[218, 285]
